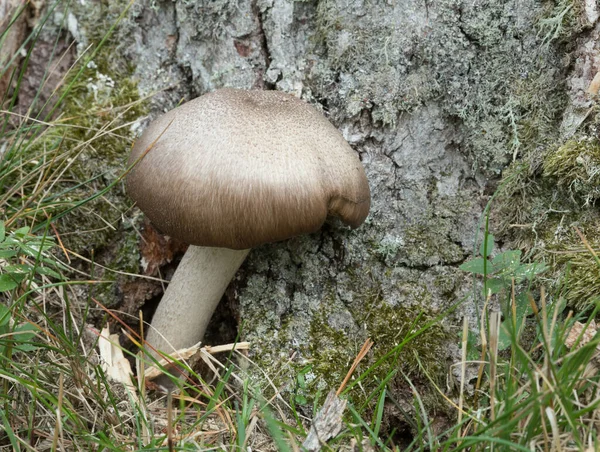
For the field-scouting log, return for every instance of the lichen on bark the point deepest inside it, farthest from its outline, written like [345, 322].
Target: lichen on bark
[548, 198]
[436, 98]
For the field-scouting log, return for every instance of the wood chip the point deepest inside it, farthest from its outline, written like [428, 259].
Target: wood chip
[327, 423]
[114, 363]
[576, 332]
[586, 334]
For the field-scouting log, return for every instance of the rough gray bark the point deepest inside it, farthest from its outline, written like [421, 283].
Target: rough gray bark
[437, 97]
[430, 94]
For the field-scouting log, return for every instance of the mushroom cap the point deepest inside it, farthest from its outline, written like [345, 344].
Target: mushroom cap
[237, 169]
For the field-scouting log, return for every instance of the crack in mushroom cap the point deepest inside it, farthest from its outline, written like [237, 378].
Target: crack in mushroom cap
[237, 169]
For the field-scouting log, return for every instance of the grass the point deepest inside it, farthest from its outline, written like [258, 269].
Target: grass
[526, 378]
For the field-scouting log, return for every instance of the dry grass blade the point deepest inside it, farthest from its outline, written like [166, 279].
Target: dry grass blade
[186, 353]
[585, 242]
[555, 430]
[359, 357]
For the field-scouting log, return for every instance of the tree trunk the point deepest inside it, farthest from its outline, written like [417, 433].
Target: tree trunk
[434, 96]
[437, 98]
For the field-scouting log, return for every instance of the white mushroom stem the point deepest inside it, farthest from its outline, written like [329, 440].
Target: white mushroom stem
[192, 296]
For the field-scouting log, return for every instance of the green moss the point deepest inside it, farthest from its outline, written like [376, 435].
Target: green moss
[392, 325]
[582, 277]
[328, 347]
[428, 244]
[102, 103]
[98, 115]
[394, 352]
[575, 166]
[542, 202]
[516, 196]
[554, 186]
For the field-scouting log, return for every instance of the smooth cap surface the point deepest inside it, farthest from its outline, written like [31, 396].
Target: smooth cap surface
[237, 168]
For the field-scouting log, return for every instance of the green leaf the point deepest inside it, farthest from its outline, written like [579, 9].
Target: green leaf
[473, 350]
[300, 399]
[48, 272]
[507, 262]
[30, 249]
[523, 306]
[496, 285]
[301, 381]
[17, 269]
[504, 337]
[23, 335]
[474, 266]
[4, 318]
[5, 254]
[18, 277]
[52, 263]
[11, 240]
[21, 232]
[489, 240]
[522, 310]
[7, 282]
[528, 271]
[2, 231]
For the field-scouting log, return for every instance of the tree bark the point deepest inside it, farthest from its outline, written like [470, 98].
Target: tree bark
[436, 97]
[429, 94]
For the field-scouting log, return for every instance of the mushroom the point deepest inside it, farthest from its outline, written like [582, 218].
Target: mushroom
[229, 171]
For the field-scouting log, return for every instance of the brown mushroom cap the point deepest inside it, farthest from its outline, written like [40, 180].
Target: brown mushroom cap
[236, 169]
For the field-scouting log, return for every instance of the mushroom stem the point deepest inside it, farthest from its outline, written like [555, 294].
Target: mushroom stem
[192, 296]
